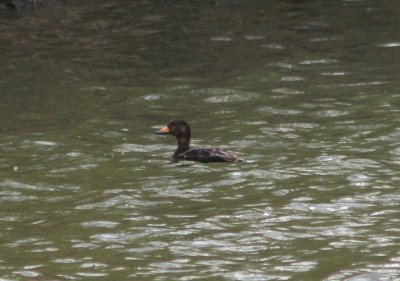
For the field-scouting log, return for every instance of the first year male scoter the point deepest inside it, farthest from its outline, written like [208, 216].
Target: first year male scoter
[181, 130]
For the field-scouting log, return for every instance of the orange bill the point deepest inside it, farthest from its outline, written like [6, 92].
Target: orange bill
[164, 130]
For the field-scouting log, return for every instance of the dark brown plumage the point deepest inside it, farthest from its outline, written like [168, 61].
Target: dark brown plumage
[181, 130]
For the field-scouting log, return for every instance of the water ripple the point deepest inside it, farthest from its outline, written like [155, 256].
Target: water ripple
[89, 192]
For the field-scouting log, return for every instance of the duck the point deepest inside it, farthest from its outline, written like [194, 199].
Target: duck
[181, 130]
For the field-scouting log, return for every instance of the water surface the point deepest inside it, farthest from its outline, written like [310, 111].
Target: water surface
[306, 91]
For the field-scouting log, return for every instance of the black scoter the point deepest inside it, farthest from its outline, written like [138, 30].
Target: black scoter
[181, 130]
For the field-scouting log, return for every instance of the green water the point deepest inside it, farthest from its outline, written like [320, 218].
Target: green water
[306, 91]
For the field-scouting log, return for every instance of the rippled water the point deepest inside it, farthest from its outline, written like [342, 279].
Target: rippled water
[306, 91]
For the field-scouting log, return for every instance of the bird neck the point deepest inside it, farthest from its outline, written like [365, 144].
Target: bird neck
[183, 144]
